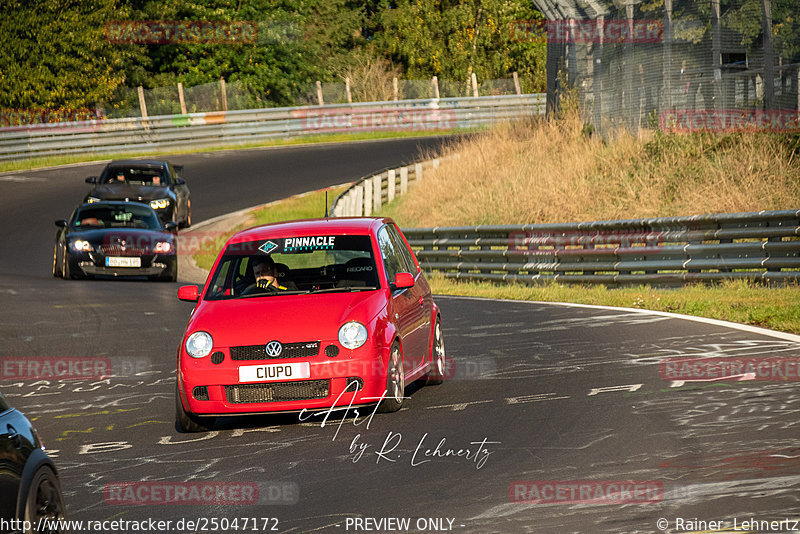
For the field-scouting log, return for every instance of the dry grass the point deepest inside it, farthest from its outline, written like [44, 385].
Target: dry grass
[552, 171]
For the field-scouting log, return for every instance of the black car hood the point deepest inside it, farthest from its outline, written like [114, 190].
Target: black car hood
[128, 191]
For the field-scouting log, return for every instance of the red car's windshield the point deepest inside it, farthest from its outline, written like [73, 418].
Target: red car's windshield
[295, 265]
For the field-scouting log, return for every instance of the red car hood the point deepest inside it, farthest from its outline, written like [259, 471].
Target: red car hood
[290, 318]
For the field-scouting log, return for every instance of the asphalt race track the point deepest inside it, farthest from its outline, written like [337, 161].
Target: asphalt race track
[537, 393]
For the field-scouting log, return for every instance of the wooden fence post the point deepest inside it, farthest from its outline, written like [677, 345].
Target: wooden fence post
[142, 103]
[180, 98]
[224, 93]
[319, 94]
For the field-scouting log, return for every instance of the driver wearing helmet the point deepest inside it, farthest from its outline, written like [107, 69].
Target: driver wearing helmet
[266, 274]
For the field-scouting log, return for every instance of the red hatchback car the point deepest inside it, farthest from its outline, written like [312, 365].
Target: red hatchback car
[308, 315]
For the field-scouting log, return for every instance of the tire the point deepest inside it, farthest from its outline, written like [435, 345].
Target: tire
[395, 382]
[66, 272]
[436, 373]
[44, 500]
[187, 422]
[55, 261]
[188, 221]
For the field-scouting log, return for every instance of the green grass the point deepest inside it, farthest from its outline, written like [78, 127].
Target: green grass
[774, 307]
[305, 206]
[52, 161]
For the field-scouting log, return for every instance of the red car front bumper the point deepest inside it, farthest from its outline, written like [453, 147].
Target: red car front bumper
[353, 377]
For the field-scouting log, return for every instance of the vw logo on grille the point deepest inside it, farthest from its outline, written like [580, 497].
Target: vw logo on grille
[274, 348]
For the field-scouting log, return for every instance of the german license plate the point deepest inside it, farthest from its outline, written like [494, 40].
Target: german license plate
[274, 372]
[112, 261]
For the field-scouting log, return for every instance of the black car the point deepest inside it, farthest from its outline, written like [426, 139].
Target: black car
[115, 239]
[29, 486]
[157, 183]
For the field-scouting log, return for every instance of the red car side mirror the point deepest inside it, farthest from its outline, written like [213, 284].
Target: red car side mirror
[188, 293]
[403, 280]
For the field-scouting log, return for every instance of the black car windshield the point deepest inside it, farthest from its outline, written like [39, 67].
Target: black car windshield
[150, 176]
[116, 216]
[295, 265]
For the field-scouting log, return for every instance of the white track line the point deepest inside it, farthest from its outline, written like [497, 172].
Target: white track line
[716, 322]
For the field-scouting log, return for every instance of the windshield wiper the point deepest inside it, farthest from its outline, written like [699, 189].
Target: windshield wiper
[274, 293]
[348, 289]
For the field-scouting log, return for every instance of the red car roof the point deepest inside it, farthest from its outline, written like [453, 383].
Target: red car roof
[312, 227]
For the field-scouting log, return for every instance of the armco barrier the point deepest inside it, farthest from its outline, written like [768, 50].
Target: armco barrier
[370, 193]
[249, 126]
[670, 250]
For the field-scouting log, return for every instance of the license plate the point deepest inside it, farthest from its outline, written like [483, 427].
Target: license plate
[274, 372]
[112, 261]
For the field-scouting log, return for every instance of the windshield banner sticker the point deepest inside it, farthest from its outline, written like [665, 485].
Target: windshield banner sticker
[307, 244]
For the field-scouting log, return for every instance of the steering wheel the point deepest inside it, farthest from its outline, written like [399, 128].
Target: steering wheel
[253, 289]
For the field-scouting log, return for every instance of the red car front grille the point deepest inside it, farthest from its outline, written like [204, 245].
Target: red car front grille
[303, 349]
[277, 391]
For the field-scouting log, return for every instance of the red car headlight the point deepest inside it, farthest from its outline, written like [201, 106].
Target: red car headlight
[352, 334]
[199, 344]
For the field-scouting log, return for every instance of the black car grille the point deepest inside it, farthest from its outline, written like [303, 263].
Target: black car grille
[116, 250]
[290, 350]
[277, 391]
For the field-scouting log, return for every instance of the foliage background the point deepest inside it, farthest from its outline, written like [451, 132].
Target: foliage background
[53, 53]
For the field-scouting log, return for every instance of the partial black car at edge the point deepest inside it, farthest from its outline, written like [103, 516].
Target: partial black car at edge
[29, 485]
[115, 239]
[156, 183]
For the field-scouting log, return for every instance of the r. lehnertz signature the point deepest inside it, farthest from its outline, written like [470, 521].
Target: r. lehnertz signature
[476, 452]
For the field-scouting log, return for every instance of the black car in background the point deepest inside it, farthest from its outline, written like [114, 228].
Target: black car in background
[115, 239]
[159, 184]
[29, 486]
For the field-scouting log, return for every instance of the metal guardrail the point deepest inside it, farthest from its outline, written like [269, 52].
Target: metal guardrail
[761, 246]
[248, 126]
[370, 193]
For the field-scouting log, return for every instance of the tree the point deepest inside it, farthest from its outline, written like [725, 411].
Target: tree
[453, 39]
[54, 54]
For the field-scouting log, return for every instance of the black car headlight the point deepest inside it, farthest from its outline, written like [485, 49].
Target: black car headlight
[163, 247]
[160, 203]
[81, 245]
